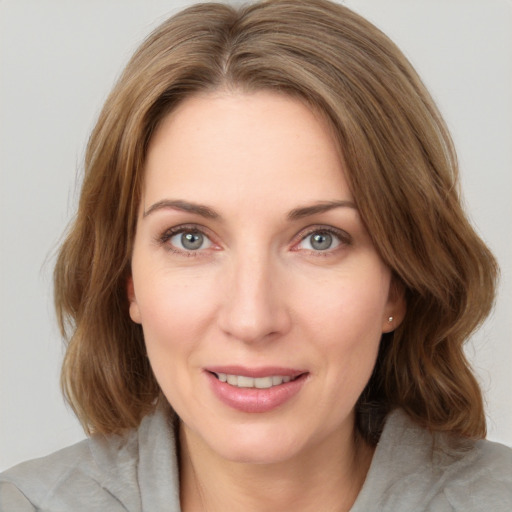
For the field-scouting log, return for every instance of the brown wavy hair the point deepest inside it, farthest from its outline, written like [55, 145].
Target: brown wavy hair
[401, 168]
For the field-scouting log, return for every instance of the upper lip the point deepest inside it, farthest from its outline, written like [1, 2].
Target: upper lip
[262, 371]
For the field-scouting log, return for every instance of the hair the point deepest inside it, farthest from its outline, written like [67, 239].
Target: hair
[401, 168]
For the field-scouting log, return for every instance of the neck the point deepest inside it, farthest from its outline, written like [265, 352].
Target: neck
[331, 473]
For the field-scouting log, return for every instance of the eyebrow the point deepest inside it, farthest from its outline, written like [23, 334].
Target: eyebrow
[184, 206]
[210, 213]
[324, 206]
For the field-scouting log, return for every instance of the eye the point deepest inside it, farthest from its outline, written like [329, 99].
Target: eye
[322, 240]
[186, 239]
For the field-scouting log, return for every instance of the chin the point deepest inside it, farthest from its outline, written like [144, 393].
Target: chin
[257, 445]
[258, 455]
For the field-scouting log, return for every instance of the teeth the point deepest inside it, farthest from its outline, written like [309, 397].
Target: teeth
[241, 381]
[264, 382]
[244, 382]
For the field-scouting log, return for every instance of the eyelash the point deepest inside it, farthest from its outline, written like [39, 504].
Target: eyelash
[164, 238]
[343, 237]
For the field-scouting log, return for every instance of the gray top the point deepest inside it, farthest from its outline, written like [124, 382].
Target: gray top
[411, 471]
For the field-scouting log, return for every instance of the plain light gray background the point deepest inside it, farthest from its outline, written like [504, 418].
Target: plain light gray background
[58, 60]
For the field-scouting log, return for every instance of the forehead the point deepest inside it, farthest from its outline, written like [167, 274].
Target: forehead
[260, 146]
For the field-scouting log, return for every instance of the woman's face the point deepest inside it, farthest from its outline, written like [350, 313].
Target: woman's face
[260, 294]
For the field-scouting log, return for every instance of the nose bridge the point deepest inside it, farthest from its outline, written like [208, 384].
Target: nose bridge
[253, 308]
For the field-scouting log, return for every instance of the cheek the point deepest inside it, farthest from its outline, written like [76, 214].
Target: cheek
[344, 316]
[174, 308]
[350, 304]
[175, 317]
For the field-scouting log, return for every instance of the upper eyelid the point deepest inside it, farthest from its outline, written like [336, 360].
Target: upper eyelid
[187, 227]
[341, 233]
[165, 235]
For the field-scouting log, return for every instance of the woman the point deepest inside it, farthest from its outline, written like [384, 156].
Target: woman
[269, 283]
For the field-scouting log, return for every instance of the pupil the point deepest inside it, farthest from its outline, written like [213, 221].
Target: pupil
[192, 241]
[321, 241]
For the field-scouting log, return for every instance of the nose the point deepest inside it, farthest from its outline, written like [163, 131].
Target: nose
[254, 308]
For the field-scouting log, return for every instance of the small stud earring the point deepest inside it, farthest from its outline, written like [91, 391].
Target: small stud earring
[390, 319]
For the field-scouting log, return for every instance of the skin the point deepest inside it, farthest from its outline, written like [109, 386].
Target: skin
[258, 293]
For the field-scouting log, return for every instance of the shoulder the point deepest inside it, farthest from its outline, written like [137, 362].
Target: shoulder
[63, 479]
[437, 472]
[98, 474]
[491, 463]
[473, 475]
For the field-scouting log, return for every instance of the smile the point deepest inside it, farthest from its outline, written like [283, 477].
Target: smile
[255, 390]
[242, 381]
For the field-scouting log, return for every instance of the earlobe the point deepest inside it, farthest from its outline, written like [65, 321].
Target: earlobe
[134, 307]
[396, 307]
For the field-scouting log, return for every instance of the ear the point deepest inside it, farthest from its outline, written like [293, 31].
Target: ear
[134, 307]
[395, 307]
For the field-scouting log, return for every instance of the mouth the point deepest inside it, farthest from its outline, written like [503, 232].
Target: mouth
[243, 381]
[255, 390]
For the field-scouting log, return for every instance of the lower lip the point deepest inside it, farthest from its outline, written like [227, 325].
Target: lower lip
[255, 400]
